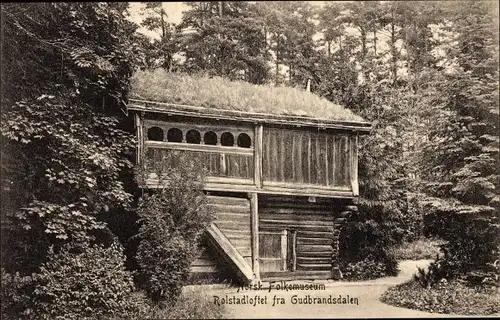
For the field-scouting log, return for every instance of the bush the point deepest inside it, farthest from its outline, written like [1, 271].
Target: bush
[422, 248]
[195, 305]
[16, 295]
[84, 281]
[172, 219]
[472, 247]
[445, 297]
[366, 269]
[189, 305]
[365, 247]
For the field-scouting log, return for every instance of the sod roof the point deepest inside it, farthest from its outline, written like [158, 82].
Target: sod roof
[209, 95]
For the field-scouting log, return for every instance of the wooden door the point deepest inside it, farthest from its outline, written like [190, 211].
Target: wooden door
[276, 250]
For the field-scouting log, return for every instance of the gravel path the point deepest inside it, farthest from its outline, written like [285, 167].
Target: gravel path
[363, 299]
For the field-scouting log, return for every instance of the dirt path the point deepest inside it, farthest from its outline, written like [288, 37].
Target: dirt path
[359, 299]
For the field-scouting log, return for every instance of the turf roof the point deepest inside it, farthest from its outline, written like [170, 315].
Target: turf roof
[201, 91]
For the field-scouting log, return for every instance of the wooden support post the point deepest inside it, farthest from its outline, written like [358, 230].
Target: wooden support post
[284, 249]
[258, 147]
[254, 207]
[354, 164]
[139, 136]
[294, 250]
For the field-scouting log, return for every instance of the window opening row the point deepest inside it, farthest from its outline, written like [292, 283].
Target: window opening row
[194, 137]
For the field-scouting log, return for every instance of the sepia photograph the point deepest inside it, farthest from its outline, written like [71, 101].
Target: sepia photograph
[250, 160]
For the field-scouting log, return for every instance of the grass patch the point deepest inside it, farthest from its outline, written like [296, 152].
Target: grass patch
[192, 304]
[448, 298]
[217, 92]
[419, 249]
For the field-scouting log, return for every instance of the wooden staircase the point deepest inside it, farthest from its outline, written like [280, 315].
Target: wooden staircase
[230, 234]
[230, 254]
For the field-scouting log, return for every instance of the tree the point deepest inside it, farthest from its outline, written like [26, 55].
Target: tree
[164, 48]
[172, 220]
[460, 160]
[228, 45]
[64, 81]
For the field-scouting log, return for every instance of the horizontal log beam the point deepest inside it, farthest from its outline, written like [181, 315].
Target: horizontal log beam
[264, 118]
[295, 275]
[226, 187]
[198, 148]
[323, 254]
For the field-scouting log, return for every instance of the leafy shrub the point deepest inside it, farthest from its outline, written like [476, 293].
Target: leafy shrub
[366, 269]
[472, 247]
[76, 282]
[87, 282]
[365, 247]
[173, 219]
[451, 297]
[189, 305]
[195, 305]
[16, 295]
[422, 248]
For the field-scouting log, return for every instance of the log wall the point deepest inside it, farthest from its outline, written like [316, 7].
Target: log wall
[306, 157]
[313, 229]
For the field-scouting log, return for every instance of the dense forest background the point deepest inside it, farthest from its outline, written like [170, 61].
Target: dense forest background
[425, 74]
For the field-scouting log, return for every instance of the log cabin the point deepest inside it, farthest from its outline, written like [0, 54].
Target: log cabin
[282, 169]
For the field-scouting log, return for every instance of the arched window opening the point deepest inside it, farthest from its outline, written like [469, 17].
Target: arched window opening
[210, 138]
[174, 135]
[155, 134]
[244, 140]
[227, 139]
[193, 136]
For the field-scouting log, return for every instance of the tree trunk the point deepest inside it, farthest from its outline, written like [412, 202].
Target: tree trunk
[393, 50]
[277, 62]
[164, 40]
[363, 44]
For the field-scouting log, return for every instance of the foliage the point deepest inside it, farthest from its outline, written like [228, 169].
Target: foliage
[65, 70]
[190, 305]
[16, 294]
[368, 269]
[79, 156]
[63, 149]
[365, 249]
[76, 282]
[445, 297]
[195, 305]
[459, 161]
[289, 28]
[422, 248]
[223, 39]
[161, 50]
[471, 249]
[173, 219]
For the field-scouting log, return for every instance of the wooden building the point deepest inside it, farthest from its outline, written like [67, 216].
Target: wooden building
[282, 166]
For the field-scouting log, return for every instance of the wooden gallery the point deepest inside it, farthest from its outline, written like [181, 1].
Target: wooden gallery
[282, 169]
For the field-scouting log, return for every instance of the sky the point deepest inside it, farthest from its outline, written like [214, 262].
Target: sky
[173, 9]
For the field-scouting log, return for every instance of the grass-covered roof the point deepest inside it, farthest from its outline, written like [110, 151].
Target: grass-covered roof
[234, 96]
